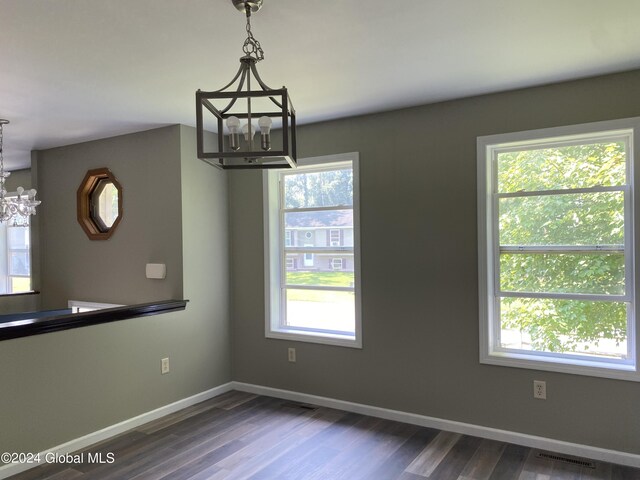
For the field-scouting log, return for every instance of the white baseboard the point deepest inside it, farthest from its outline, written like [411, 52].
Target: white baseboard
[113, 430]
[559, 446]
[567, 448]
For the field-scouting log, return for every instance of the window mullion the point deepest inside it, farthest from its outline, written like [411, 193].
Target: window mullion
[527, 249]
[596, 297]
[317, 209]
[563, 191]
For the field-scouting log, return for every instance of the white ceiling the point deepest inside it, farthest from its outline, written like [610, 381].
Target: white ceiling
[77, 70]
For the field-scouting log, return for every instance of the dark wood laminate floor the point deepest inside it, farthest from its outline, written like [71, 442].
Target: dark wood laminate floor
[243, 436]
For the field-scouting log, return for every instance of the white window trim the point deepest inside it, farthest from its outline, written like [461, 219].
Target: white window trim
[273, 258]
[333, 263]
[486, 257]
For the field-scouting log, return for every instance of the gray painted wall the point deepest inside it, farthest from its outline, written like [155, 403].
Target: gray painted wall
[205, 246]
[60, 386]
[147, 165]
[419, 273]
[19, 178]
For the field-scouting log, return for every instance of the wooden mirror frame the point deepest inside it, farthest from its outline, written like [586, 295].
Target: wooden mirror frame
[85, 218]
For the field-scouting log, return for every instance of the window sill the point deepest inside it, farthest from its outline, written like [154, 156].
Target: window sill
[38, 326]
[32, 292]
[315, 337]
[589, 368]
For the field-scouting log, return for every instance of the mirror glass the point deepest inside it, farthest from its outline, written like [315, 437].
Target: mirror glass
[104, 204]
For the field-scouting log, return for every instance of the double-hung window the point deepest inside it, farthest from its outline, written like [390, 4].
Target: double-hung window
[556, 232]
[312, 287]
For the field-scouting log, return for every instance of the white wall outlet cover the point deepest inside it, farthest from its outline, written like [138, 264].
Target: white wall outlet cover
[156, 270]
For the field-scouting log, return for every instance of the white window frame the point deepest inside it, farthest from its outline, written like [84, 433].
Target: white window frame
[274, 303]
[488, 253]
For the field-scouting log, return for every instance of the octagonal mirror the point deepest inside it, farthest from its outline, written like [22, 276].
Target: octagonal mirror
[99, 204]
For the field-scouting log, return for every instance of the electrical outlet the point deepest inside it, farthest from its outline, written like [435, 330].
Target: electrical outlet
[164, 368]
[540, 389]
[292, 355]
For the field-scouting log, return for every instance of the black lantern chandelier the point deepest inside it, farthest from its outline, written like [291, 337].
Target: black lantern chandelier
[236, 107]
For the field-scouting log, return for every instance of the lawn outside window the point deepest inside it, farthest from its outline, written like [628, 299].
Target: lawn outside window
[312, 273]
[556, 217]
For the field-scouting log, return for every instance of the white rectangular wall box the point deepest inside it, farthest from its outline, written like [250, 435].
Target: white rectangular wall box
[156, 270]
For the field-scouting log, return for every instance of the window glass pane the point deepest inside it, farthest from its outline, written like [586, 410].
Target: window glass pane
[325, 272]
[597, 329]
[576, 166]
[313, 228]
[18, 237]
[572, 219]
[595, 273]
[20, 284]
[319, 189]
[321, 310]
[19, 263]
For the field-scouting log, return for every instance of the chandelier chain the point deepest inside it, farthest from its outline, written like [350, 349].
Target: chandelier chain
[252, 46]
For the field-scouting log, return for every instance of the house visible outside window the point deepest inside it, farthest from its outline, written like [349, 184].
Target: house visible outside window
[556, 229]
[288, 238]
[318, 300]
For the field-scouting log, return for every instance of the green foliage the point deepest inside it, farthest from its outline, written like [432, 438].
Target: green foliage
[319, 189]
[578, 166]
[563, 273]
[581, 219]
[594, 219]
[565, 325]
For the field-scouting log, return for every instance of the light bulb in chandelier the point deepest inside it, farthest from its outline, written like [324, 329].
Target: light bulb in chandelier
[248, 132]
[233, 124]
[265, 132]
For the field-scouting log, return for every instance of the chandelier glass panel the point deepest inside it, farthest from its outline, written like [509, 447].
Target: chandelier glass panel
[256, 124]
[17, 209]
